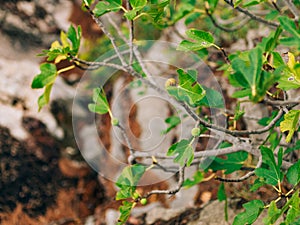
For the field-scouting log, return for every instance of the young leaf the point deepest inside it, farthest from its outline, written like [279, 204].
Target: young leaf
[273, 214]
[128, 180]
[46, 77]
[125, 210]
[293, 174]
[272, 174]
[252, 211]
[45, 97]
[100, 105]
[173, 121]
[201, 39]
[198, 177]
[290, 123]
[107, 6]
[184, 152]
[138, 3]
[188, 90]
[290, 26]
[74, 36]
[293, 213]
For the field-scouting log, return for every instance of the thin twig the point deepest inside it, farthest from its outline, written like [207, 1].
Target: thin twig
[126, 138]
[95, 65]
[254, 17]
[136, 52]
[226, 29]
[131, 33]
[206, 153]
[108, 34]
[170, 191]
[282, 103]
[245, 177]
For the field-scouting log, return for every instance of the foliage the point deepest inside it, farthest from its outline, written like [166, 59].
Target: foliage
[261, 75]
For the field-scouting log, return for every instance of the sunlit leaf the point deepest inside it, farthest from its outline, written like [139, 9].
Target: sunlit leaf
[197, 178]
[47, 76]
[125, 210]
[201, 39]
[290, 123]
[273, 214]
[188, 90]
[128, 180]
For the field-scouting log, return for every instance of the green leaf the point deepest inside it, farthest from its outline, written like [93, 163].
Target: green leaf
[273, 214]
[198, 177]
[237, 3]
[293, 148]
[272, 40]
[233, 162]
[188, 90]
[241, 93]
[252, 3]
[290, 123]
[173, 121]
[128, 180]
[212, 98]
[74, 36]
[293, 174]
[100, 105]
[64, 39]
[252, 211]
[107, 6]
[257, 184]
[46, 77]
[125, 210]
[138, 3]
[155, 11]
[201, 39]
[221, 192]
[45, 98]
[131, 14]
[290, 26]
[293, 213]
[250, 76]
[271, 173]
[287, 79]
[184, 152]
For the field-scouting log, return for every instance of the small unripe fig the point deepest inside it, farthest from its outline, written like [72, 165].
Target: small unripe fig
[143, 201]
[195, 131]
[135, 195]
[170, 82]
[114, 121]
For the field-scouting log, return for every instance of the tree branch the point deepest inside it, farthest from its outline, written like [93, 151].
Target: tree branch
[108, 34]
[254, 17]
[170, 191]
